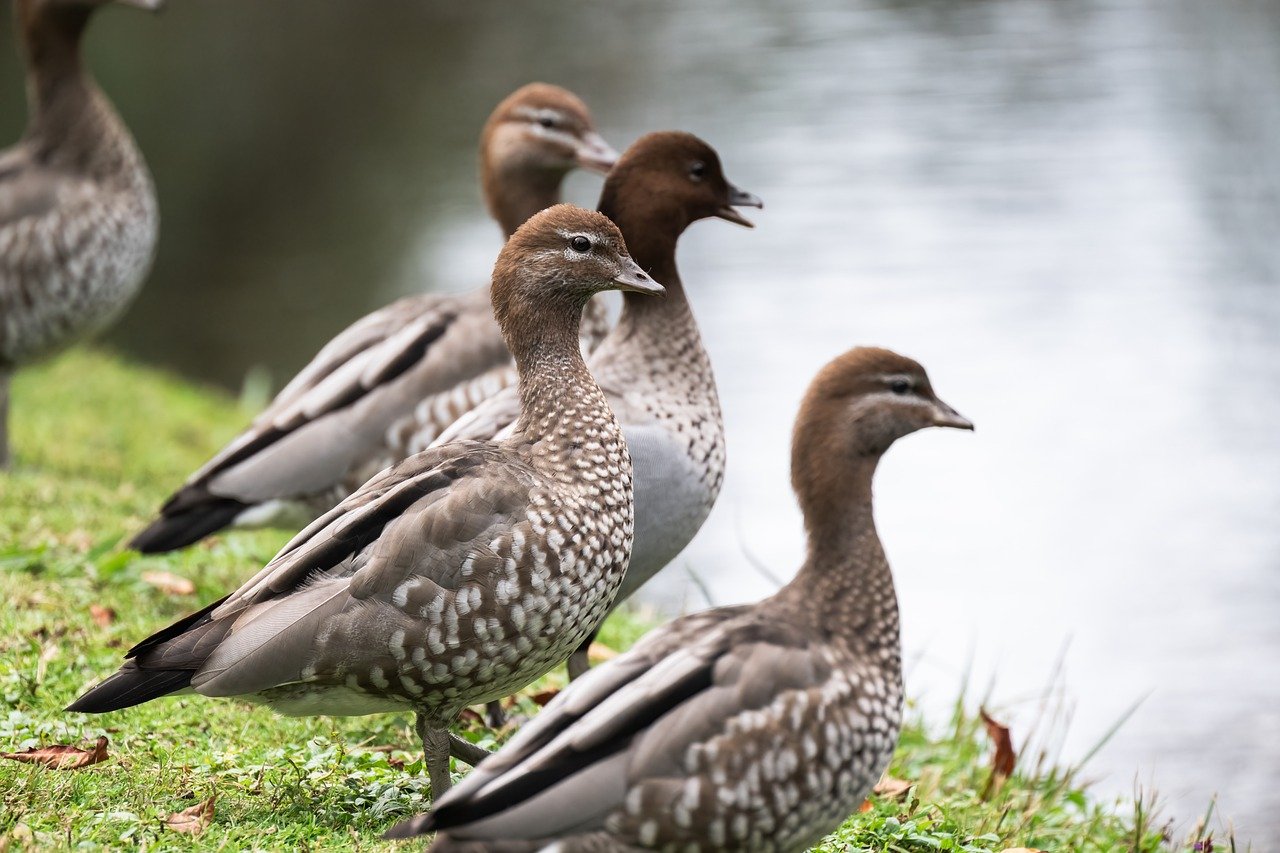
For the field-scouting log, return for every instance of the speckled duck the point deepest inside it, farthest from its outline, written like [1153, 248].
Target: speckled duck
[387, 385]
[458, 575]
[758, 727]
[78, 216]
[653, 366]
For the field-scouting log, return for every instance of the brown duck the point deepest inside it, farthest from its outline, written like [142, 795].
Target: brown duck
[458, 575]
[78, 217]
[385, 386]
[758, 727]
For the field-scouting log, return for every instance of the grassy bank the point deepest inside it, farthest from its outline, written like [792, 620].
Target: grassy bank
[98, 444]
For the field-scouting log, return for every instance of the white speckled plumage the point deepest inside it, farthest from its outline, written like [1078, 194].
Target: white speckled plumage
[386, 385]
[757, 727]
[458, 575]
[78, 214]
[653, 365]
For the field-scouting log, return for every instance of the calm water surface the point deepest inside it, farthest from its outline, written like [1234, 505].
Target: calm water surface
[1067, 212]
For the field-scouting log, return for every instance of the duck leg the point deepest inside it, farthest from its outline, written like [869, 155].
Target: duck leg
[466, 751]
[4, 419]
[579, 662]
[494, 716]
[435, 750]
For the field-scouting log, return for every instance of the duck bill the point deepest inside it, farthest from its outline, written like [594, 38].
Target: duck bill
[635, 280]
[739, 198]
[945, 416]
[594, 154]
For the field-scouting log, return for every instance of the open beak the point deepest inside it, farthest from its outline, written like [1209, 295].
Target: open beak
[149, 5]
[739, 198]
[636, 280]
[945, 416]
[595, 154]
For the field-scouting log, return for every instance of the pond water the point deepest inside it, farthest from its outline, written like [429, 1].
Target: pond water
[1067, 212]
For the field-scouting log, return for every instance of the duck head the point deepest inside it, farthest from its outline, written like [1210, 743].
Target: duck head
[671, 179]
[555, 262]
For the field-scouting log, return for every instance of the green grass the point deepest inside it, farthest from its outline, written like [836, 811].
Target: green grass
[98, 444]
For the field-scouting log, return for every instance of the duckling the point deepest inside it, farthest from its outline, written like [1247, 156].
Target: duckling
[385, 386]
[653, 366]
[756, 727]
[78, 214]
[460, 574]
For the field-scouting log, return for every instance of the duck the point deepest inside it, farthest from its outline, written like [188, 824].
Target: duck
[653, 366]
[752, 727]
[458, 575]
[78, 214]
[388, 383]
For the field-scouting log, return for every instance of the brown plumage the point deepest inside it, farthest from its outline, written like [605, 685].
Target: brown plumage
[758, 727]
[387, 385]
[78, 218]
[653, 366]
[459, 575]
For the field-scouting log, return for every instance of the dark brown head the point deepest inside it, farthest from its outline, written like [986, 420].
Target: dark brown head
[554, 263]
[858, 405]
[670, 180]
[543, 128]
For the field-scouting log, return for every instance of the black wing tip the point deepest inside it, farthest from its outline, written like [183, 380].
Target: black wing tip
[180, 528]
[420, 825]
[130, 686]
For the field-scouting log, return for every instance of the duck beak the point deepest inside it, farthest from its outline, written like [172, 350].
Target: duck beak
[149, 5]
[594, 154]
[945, 416]
[636, 280]
[739, 198]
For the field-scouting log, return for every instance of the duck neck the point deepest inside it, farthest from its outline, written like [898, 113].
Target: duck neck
[653, 325]
[71, 123]
[845, 588]
[515, 193]
[559, 399]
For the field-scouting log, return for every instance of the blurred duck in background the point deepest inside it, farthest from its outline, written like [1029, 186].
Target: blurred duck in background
[462, 573]
[78, 214]
[386, 386]
[756, 727]
[653, 366]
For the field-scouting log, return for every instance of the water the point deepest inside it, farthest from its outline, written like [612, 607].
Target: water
[1067, 212]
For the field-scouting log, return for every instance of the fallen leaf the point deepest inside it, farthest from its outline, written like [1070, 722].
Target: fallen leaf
[543, 697]
[892, 788]
[397, 763]
[865, 807]
[470, 715]
[60, 756]
[599, 651]
[102, 616]
[192, 821]
[1003, 761]
[169, 583]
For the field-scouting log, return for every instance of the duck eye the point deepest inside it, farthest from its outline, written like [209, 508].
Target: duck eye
[580, 244]
[900, 386]
[698, 170]
[547, 121]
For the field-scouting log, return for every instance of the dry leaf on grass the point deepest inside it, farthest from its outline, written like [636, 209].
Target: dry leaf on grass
[601, 652]
[471, 715]
[894, 789]
[169, 583]
[60, 756]
[865, 807]
[102, 615]
[542, 697]
[194, 820]
[1004, 759]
